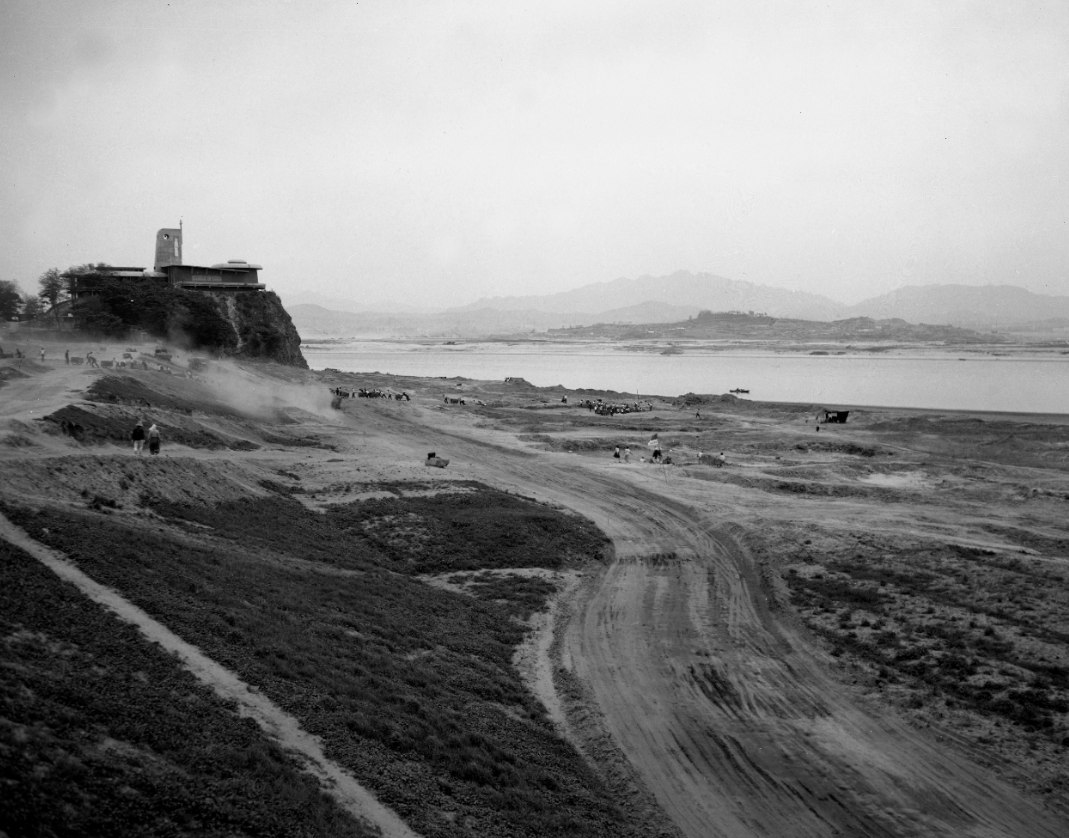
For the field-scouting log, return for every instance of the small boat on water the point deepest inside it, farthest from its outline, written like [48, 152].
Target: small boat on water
[739, 390]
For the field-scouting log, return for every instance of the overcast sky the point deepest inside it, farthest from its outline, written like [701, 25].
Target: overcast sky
[432, 153]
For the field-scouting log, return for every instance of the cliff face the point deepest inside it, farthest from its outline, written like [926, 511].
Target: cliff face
[262, 326]
[250, 324]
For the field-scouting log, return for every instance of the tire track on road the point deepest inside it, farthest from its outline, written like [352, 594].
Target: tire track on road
[777, 746]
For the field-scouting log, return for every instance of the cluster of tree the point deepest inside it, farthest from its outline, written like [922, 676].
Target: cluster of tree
[54, 287]
[113, 306]
[116, 306]
[15, 305]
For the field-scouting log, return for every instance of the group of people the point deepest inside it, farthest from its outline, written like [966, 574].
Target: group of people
[715, 460]
[139, 435]
[362, 393]
[611, 409]
[655, 457]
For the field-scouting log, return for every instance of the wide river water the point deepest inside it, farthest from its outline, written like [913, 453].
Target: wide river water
[961, 381]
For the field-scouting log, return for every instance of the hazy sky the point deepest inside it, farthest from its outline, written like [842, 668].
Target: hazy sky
[434, 152]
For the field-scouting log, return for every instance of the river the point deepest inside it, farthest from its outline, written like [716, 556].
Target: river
[954, 380]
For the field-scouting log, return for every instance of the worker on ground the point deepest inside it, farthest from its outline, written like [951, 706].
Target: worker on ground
[138, 437]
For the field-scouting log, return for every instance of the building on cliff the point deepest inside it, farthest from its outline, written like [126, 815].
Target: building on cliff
[235, 275]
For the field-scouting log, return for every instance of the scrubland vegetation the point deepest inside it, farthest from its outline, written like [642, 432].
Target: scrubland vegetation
[946, 628]
[410, 687]
[104, 733]
[320, 595]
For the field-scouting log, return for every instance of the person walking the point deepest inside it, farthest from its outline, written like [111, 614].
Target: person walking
[42, 354]
[616, 452]
[627, 454]
[138, 436]
[154, 439]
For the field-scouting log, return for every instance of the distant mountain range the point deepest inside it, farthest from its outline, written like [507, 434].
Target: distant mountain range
[344, 305]
[971, 306]
[679, 296]
[682, 291]
[317, 321]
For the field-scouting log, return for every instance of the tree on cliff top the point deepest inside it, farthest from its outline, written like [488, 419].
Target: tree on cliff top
[184, 317]
[32, 308]
[53, 288]
[10, 299]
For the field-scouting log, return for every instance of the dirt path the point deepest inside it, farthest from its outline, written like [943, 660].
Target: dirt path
[276, 723]
[730, 719]
[47, 388]
[726, 713]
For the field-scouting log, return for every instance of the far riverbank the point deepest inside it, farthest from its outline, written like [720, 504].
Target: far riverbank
[921, 377]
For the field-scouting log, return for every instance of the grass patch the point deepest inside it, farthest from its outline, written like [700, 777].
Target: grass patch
[460, 530]
[982, 630]
[481, 528]
[106, 424]
[518, 596]
[104, 733]
[410, 687]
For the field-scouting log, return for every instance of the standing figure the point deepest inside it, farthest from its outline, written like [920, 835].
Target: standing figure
[42, 354]
[138, 436]
[67, 357]
[616, 452]
[627, 454]
[154, 439]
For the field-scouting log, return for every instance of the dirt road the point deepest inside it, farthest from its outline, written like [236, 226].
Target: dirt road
[716, 700]
[724, 710]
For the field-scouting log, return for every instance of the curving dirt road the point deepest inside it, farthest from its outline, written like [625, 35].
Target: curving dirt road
[724, 710]
[718, 703]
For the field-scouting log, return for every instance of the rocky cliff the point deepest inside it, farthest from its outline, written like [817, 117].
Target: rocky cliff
[249, 324]
[262, 326]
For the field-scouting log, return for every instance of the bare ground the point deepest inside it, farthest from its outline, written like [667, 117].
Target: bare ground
[683, 669]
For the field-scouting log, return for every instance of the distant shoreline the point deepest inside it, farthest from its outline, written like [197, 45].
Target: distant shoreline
[1051, 418]
[900, 350]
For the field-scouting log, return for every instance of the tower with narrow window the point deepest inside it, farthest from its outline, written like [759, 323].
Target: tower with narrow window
[168, 247]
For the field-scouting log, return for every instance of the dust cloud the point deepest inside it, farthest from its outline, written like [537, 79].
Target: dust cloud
[261, 395]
